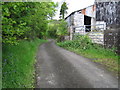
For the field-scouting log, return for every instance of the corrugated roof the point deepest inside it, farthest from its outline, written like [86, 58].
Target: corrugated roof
[77, 11]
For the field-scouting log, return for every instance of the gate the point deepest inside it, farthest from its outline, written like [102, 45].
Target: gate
[95, 32]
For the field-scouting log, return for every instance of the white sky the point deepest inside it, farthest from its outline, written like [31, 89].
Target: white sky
[73, 5]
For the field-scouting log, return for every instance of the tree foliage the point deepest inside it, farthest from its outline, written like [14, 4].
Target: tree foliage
[57, 29]
[62, 30]
[52, 28]
[63, 10]
[25, 20]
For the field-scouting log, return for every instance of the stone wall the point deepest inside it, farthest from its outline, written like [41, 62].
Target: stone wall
[112, 38]
[78, 19]
[70, 20]
[97, 37]
[108, 12]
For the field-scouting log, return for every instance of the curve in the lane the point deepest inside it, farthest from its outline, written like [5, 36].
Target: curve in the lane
[59, 68]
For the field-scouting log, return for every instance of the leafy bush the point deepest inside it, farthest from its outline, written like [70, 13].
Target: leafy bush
[25, 20]
[81, 42]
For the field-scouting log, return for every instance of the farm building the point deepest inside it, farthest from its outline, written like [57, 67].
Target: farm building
[101, 21]
[109, 12]
[84, 21]
[82, 17]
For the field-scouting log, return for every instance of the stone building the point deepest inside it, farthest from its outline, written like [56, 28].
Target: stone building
[84, 21]
[102, 15]
[109, 12]
[79, 18]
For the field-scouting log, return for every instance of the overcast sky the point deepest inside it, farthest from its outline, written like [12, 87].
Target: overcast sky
[73, 5]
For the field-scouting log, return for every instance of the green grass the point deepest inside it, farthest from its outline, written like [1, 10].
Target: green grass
[18, 64]
[84, 46]
[0, 65]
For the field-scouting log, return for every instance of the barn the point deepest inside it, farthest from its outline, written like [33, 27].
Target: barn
[101, 21]
[109, 12]
[83, 22]
[78, 19]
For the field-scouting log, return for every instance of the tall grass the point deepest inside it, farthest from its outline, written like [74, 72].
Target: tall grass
[83, 45]
[18, 64]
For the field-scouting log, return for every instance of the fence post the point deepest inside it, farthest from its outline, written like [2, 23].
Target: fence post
[84, 29]
[71, 32]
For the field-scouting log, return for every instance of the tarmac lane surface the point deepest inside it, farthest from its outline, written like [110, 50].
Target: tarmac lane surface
[59, 68]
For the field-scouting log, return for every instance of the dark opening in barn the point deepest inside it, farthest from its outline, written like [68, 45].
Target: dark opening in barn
[87, 22]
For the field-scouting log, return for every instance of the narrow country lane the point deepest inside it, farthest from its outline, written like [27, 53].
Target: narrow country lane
[59, 68]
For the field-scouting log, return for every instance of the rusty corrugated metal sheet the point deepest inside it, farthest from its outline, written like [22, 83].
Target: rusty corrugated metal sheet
[83, 11]
[94, 8]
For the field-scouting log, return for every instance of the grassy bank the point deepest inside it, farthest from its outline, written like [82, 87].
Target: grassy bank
[84, 46]
[18, 64]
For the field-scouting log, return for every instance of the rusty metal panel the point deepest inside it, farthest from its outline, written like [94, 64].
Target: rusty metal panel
[83, 11]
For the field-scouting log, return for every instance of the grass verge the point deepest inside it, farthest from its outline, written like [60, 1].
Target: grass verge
[18, 64]
[84, 46]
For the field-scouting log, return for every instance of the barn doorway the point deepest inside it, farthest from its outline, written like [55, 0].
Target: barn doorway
[87, 21]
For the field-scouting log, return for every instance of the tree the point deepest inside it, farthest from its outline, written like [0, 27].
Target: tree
[25, 20]
[52, 28]
[39, 20]
[57, 29]
[13, 24]
[62, 30]
[63, 10]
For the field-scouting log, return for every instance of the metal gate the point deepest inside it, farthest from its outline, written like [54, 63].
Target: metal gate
[95, 32]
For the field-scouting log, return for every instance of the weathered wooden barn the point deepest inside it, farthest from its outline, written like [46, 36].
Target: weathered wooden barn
[102, 17]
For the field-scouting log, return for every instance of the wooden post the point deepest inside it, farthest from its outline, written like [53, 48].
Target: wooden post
[71, 33]
[84, 29]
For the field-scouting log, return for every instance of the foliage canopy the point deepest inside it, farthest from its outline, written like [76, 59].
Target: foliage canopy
[25, 20]
[57, 29]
